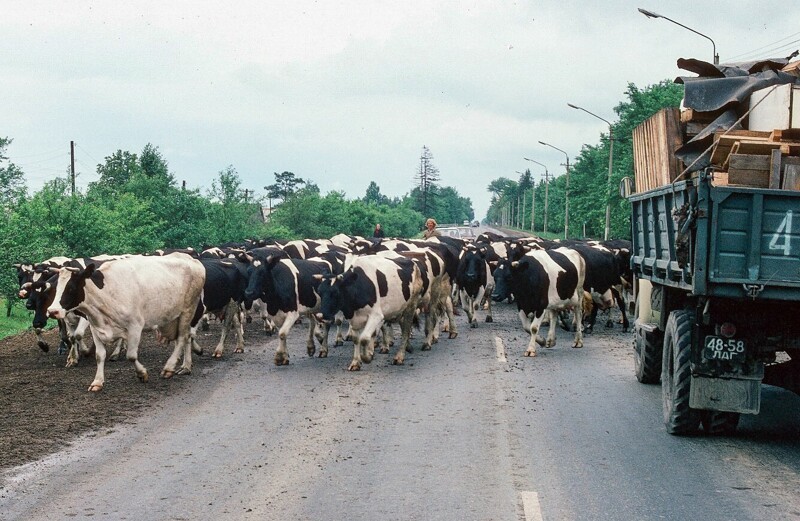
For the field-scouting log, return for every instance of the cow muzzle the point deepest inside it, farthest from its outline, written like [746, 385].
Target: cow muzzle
[56, 313]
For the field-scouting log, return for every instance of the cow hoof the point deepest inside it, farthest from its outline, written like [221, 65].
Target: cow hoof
[281, 360]
[239, 350]
[217, 354]
[95, 388]
[311, 351]
[549, 344]
[410, 349]
[354, 366]
[183, 371]
[426, 347]
[473, 324]
[144, 377]
[398, 362]
[44, 346]
[530, 353]
[166, 374]
[249, 319]
[367, 359]
[577, 346]
[71, 362]
[452, 335]
[323, 354]
[338, 343]
[384, 351]
[489, 319]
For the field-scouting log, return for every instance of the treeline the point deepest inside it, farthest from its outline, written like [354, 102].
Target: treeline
[589, 189]
[138, 206]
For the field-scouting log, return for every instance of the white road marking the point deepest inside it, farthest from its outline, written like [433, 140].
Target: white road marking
[530, 505]
[500, 349]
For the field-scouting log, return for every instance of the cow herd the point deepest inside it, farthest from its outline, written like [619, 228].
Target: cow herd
[369, 283]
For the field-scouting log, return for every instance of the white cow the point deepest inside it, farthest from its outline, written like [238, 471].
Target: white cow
[120, 299]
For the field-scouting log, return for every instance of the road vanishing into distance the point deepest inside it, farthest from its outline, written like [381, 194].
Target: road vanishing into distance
[470, 430]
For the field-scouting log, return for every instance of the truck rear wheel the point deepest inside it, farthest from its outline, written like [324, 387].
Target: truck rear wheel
[719, 423]
[647, 355]
[676, 374]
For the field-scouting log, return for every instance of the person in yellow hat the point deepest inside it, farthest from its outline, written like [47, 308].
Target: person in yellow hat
[430, 229]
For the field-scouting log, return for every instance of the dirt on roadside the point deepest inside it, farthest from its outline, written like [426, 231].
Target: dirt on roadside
[44, 406]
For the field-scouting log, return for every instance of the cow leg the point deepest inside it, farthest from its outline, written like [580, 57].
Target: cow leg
[406, 321]
[239, 325]
[621, 304]
[451, 319]
[339, 339]
[364, 342]
[100, 359]
[468, 304]
[132, 353]
[578, 323]
[44, 346]
[231, 311]
[65, 345]
[117, 349]
[322, 331]
[488, 291]
[281, 356]
[531, 327]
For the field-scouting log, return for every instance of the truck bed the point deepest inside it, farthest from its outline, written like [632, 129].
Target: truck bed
[741, 242]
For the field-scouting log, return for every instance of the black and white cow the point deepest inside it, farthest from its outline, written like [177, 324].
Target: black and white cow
[223, 296]
[287, 288]
[543, 282]
[120, 299]
[474, 280]
[374, 290]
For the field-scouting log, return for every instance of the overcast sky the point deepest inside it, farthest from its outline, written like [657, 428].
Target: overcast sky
[345, 92]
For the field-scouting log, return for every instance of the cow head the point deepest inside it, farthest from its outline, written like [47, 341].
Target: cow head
[259, 278]
[330, 293]
[41, 296]
[70, 289]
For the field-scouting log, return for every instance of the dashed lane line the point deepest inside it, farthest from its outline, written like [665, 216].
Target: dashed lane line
[530, 505]
[500, 350]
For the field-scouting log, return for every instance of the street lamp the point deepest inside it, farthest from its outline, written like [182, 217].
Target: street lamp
[546, 187]
[566, 189]
[651, 14]
[610, 165]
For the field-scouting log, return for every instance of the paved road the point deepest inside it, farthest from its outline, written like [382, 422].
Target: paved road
[468, 431]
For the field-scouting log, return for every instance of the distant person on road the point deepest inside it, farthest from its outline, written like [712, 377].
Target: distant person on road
[431, 230]
[378, 231]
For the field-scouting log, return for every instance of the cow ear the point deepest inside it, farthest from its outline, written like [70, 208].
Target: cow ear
[88, 271]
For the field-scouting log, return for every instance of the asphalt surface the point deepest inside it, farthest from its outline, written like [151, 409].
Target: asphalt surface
[468, 431]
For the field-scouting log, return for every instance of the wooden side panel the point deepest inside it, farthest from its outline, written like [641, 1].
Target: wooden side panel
[654, 145]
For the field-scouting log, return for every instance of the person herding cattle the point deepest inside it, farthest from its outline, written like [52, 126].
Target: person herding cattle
[430, 230]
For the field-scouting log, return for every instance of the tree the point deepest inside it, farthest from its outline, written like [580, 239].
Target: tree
[286, 184]
[117, 170]
[12, 179]
[373, 195]
[427, 176]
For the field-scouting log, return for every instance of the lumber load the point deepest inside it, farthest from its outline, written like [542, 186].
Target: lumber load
[654, 145]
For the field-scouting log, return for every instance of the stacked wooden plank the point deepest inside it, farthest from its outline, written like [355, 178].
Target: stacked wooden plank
[757, 159]
[654, 145]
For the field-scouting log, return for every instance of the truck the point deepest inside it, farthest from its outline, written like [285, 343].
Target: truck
[716, 270]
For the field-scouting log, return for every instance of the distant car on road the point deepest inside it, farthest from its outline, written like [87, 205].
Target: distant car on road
[475, 224]
[466, 223]
[459, 232]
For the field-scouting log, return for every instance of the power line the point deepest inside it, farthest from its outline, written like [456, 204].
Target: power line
[760, 50]
[26, 156]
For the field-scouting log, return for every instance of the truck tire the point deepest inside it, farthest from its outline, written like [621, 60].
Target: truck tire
[676, 374]
[718, 423]
[647, 356]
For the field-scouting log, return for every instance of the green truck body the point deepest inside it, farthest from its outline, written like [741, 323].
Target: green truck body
[718, 298]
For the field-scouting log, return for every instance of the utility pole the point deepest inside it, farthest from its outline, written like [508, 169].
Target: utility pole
[72, 165]
[519, 217]
[546, 198]
[533, 208]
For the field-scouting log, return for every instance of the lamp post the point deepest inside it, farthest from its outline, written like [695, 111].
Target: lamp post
[651, 14]
[566, 189]
[610, 165]
[546, 186]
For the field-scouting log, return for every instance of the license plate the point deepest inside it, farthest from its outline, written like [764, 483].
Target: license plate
[727, 349]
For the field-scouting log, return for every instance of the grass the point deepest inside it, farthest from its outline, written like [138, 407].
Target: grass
[19, 321]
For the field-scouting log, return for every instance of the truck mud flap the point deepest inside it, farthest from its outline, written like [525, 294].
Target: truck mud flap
[725, 394]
